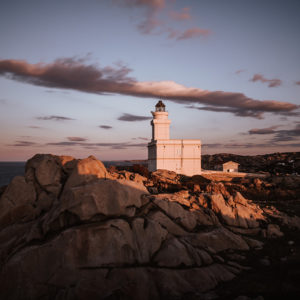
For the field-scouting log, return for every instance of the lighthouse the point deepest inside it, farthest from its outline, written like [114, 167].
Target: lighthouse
[160, 123]
[180, 156]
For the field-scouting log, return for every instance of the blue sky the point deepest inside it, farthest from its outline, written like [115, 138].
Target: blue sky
[229, 72]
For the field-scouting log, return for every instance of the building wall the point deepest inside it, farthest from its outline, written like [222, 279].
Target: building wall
[232, 167]
[180, 156]
[152, 166]
[160, 126]
[161, 131]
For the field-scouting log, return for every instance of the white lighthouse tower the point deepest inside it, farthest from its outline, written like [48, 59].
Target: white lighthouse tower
[160, 123]
[181, 156]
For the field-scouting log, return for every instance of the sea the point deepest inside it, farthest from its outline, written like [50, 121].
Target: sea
[8, 170]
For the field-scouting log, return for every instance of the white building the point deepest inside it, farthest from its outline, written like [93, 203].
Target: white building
[181, 156]
[230, 166]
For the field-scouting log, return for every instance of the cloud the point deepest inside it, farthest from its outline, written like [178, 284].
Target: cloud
[287, 135]
[184, 14]
[279, 135]
[278, 139]
[269, 130]
[74, 74]
[250, 145]
[193, 33]
[139, 145]
[271, 82]
[212, 145]
[133, 118]
[122, 145]
[151, 8]
[238, 145]
[76, 139]
[105, 126]
[3, 101]
[141, 138]
[23, 144]
[35, 127]
[151, 23]
[150, 4]
[53, 91]
[239, 112]
[297, 82]
[187, 34]
[54, 118]
[70, 73]
[240, 71]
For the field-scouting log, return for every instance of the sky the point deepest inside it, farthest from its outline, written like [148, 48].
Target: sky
[81, 77]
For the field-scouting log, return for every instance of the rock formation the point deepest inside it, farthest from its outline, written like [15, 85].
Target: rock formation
[72, 230]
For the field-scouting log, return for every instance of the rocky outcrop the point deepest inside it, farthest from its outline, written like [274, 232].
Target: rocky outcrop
[237, 211]
[86, 171]
[72, 230]
[271, 188]
[123, 174]
[46, 172]
[18, 202]
[165, 181]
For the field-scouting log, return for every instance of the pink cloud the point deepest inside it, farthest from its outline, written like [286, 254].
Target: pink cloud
[184, 14]
[240, 71]
[297, 82]
[150, 23]
[187, 34]
[268, 130]
[76, 139]
[193, 33]
[69, 73]
[271, 82]
[150, 4]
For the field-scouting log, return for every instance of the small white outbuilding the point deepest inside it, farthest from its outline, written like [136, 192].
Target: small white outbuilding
[180, 156]
[230, 166]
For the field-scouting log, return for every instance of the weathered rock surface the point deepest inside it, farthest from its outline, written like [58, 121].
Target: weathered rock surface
[284, 219]
[166, 181]
[85, 171]
[102, 197]
[123, 174]
[46, 171]
[72, 230]
[18, 202]
[237, 211]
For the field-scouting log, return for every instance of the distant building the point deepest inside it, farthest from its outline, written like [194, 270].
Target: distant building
[230, 166]
[180, 156]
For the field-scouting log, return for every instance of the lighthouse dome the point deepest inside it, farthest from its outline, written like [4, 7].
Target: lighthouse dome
[160, 106]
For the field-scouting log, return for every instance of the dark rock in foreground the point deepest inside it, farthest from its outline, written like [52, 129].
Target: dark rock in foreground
[72, 230]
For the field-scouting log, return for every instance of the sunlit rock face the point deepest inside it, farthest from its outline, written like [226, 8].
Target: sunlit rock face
[72, 230]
